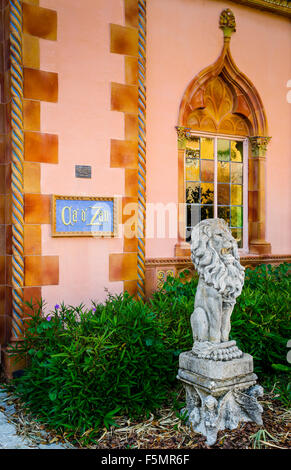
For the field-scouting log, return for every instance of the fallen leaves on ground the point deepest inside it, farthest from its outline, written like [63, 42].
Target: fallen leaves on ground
[165, 430]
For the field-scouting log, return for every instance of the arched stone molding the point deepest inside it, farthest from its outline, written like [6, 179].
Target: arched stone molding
[223, 100]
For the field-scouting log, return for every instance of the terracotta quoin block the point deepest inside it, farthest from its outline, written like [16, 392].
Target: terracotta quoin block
[41, 270]
[124, 98]
[124, 40]
[31, 177]
[40, 85]
[122, 267]
[123, 154]
[131, 13]
[40, 22]
[30, 51]
[32, 239]
[31, 115]
[37, 208]
[131, 70]
[40, 147]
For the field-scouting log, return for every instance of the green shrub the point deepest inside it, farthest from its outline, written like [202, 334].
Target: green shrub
[88, 365]
[173, 306]
[261, 317]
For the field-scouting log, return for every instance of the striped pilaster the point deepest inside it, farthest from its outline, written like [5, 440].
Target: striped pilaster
[17, 140]
[141, 218]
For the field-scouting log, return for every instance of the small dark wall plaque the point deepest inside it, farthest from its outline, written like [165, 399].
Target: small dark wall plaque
[83, 171]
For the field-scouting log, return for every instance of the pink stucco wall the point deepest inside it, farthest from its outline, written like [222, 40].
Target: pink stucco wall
[183, 38]
[84, 123]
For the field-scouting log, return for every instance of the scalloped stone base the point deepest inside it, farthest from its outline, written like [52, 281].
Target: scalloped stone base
[219, 394]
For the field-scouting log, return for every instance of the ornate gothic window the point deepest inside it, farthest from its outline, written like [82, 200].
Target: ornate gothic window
[215, 177]
[222, 141]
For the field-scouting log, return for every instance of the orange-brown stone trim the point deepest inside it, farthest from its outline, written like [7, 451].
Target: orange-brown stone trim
[38, 148]
[124, 153]
[157, 269]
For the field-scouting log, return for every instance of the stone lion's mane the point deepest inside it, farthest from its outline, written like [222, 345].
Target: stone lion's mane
[227, 279]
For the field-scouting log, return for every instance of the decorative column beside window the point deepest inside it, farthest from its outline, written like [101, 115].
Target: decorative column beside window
[222, 103]
[257, 196]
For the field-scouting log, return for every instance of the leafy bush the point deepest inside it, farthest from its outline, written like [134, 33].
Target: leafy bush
[88, 365]
[173, 306]
[261, 317]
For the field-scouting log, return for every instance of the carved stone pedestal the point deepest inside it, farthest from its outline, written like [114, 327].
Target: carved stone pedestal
[219, 394]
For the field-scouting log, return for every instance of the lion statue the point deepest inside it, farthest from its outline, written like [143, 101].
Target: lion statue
[214, 253]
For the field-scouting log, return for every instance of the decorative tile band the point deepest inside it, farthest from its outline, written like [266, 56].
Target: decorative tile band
[17, 167]
[141, 148]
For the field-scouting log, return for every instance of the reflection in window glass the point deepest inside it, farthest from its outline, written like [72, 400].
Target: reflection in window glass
[204, 189]
[207, 170]
[237, 233]
[224, 213]
[194, 144]
[192, 169]
[192, 193]
[223, 150]
[207, 212]
[207, 193]
[207, 148]
[237, 173]
[236, 151]
[223, 194]
[223, 172]
[236, 216]
[236, 194]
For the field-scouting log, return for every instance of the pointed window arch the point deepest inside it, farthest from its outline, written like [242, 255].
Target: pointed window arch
[221, 103]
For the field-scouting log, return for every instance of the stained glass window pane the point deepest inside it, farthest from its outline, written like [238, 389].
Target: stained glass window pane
[193, 215]
[223, 150]
[192, 193]
[207, 193]
[236, 151]
[207, 170]
[200, 188]
[192, 169]
[236, 194]
[237, 233]
[224, 213]
[223, 172]
[193, 144]
[237, 173]
[223, 194]
[207, 212]
[236, 216]
[207, 148]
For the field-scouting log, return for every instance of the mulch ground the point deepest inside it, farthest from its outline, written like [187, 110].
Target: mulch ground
[165, 430]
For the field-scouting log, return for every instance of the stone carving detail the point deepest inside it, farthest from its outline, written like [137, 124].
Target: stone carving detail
[162, 277]
[216, 113]
[227, 22]
[215, 256]
[259, 145]
[218, 378]
[224, 412]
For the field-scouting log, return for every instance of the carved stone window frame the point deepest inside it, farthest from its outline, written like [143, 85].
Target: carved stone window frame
[247, 105]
